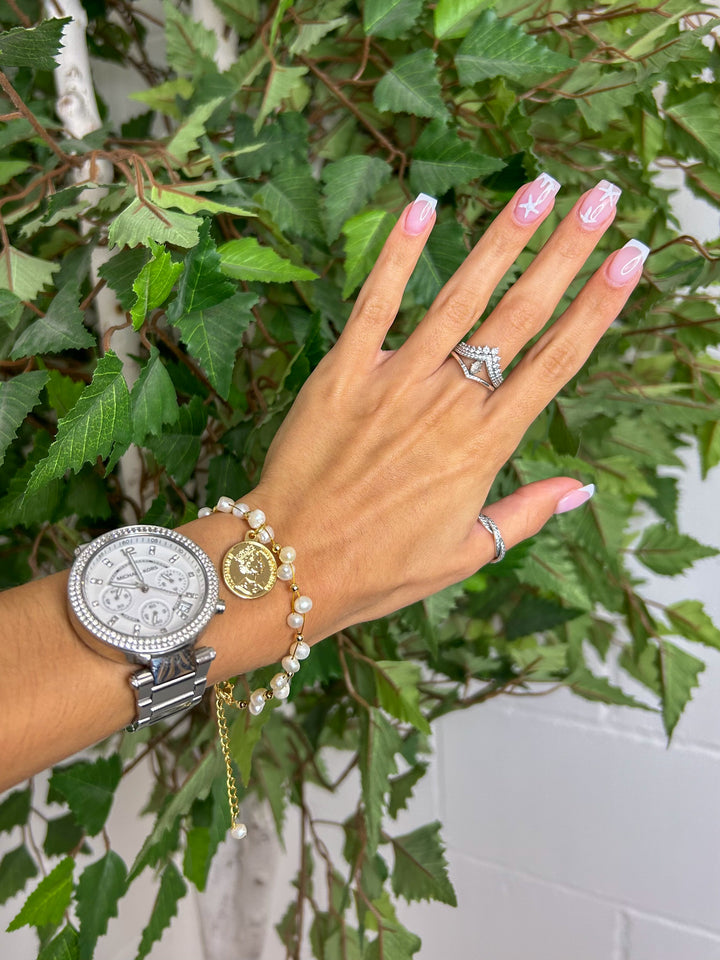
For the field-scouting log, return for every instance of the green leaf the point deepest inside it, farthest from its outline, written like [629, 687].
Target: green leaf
[34, 47]
[390, 18]
[10, 169]
[245, 259]
[120, 272]
[496, 47]
[412, 86]
[590, 687]
[420, 871]
[153, 401]
[89, 789]
[397, 682]
[453, 18]
[202, 283]
[63, 835]
[310, 34]
[535, 614]
[189, 201]
[178, 447]
[196, 786]
[153, 284]
[242, 15]
[397, 941]
[11, 309]
[284, 83]
[379, 742]
[708, 436]
[679, 672]
[697, 118]
[99, 422]
[172, 890]
[365, 235]
[291, 198]
[62, 947]
[280, 142]
[190, 46]
[440, 258]
[18, 396]
[14, 810]
[141, 222]
[62, 328]
[214, 335]
[164, 96]
[688, 618]
[16, 868]
[349, 184]
[23, 275]
[244, 737]
[99, 888]
[665, 551]
[401, 788]
[442, 160]
[552, 569]
[49, 900]
[186, 137]
[197, 860]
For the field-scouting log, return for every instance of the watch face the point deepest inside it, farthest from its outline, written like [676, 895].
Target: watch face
[143, 589]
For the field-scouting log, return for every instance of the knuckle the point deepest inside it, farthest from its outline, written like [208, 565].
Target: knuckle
[521, 319]
[457, 308]
[557, 360]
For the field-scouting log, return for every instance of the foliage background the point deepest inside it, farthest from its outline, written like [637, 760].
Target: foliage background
[270, 187]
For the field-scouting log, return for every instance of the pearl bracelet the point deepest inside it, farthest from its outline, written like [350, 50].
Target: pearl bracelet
[249, 584]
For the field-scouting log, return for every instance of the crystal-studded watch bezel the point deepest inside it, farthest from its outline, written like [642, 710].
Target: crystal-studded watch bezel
[142, 647]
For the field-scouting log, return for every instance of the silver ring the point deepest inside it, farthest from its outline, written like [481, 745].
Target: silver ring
[488, 357]
[491, 527]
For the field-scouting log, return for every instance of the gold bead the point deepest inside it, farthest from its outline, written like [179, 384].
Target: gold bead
[269, 694]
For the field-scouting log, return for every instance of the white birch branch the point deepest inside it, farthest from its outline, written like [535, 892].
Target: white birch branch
[77, 108]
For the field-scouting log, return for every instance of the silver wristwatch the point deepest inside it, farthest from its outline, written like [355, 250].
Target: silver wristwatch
[145, 594]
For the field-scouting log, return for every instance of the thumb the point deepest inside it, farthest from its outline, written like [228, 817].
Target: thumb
[526, 511]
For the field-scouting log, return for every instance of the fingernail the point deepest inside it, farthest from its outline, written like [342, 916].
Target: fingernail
[422, 209]
[576, 498]
[627, 262]
[599, 205]
[535, 200]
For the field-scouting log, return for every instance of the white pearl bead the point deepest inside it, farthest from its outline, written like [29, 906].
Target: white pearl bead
[271, 532]
[256, 518]
[256, 708]
[279, 681]
[239, 831]
[285, 571]
[303, 604]
[302, 650]
[290, 664]
[283, 693]
[204, 511]
[258, 696]
[225, 505]
[295, 620]
[239, 510]
[288, 555]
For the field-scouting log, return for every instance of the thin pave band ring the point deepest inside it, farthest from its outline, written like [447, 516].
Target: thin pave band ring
[492, 528]
[488, 357]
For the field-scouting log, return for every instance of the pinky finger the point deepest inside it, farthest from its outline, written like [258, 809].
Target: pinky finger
[524, 513]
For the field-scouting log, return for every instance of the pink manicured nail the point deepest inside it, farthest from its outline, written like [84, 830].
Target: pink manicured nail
[627, 262]
[416, 219]
[576, 498]
[598, 206]
[535, 200]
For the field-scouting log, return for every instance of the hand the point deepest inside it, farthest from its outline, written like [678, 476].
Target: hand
[386, 458]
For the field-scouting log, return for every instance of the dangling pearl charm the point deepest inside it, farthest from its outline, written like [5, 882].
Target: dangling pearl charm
[239, 831]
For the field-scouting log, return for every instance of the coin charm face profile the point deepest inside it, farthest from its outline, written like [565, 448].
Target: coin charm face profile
[249, 569]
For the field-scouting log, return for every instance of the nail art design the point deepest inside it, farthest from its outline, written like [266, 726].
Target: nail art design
[535, 199]
[576, 498]
[599, 204]
[626, 262]
[420, 212]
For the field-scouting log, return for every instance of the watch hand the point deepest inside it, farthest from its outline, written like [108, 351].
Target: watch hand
[136, 569]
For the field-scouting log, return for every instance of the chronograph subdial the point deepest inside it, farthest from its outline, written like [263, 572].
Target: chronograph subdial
[116, 599]
[171, 579]
[155, 613]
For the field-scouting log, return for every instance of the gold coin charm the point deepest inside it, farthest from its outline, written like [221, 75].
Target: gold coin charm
[249, 569]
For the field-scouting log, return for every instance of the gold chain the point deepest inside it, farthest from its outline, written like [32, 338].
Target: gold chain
[223, 695]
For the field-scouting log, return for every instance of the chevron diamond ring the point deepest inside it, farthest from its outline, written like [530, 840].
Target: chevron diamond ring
[479, 357]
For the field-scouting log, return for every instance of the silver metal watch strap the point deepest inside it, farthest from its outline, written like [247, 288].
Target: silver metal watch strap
[171, 684]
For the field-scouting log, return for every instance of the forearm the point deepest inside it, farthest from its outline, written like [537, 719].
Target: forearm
[59, 696]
